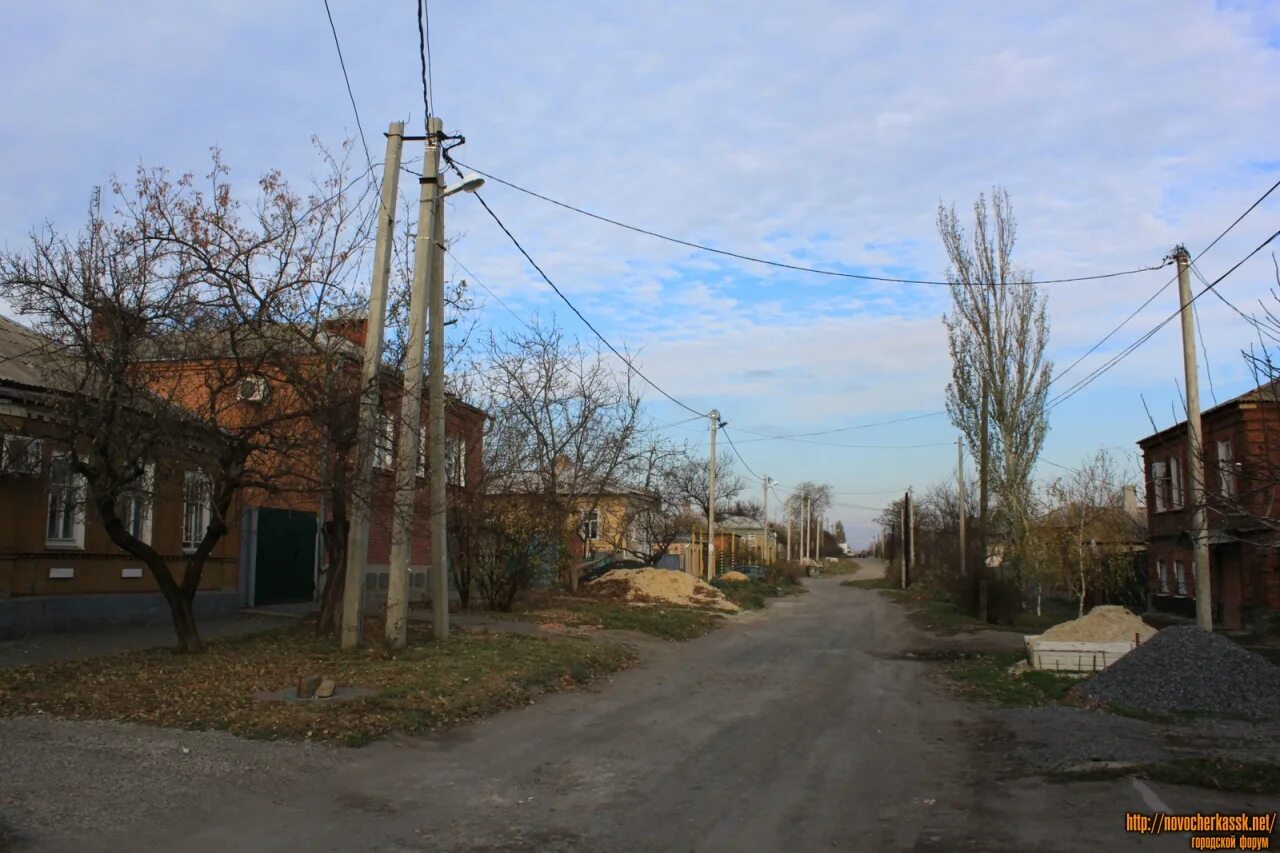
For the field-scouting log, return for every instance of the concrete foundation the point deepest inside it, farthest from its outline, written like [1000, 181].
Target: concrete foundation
[48, 614]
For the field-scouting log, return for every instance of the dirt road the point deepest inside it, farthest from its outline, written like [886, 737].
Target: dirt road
[798, 728]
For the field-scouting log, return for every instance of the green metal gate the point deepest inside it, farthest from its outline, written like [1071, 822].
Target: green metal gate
[285, 557]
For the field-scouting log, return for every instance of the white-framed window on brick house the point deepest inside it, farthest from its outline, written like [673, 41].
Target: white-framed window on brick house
[64, 522]
[1162, 577]
[135, 505]
[384, 442]
[590, 526]
[1175, 483]
[1180, 577]
[196, 510]
[423, 432]
[1160, 484]
[455, 460]
[20, 454]
[1226, 469]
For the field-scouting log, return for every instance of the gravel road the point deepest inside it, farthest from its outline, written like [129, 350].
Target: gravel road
[802, 727]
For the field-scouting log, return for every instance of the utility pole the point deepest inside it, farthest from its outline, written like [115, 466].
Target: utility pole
[436, 445]
[765, 558]
[411, 402]
[1195, 448]
[804, 528]
[711, 504]
[911, 536]
[963, 509]
[902, 539]
[787, 510]
[370, 394]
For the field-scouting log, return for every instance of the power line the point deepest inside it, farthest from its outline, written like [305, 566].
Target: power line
[750, 470]
[1204, 350]
[423, 59]
[351, 95]
[1155, 295]
[1075, 389]
[767, 437]
[782, 264]
[655, 386]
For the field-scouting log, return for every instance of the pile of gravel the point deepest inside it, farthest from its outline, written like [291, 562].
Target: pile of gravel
[1188, 669]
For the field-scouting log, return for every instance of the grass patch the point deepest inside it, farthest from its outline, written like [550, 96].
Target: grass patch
[666, 622]
[986, 677]
[1213, 773]
[428, 685]
[933, 609]
[752, 595]
[871, 583]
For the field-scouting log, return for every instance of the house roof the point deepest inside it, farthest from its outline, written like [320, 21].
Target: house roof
[1267, 392]
[23, 355]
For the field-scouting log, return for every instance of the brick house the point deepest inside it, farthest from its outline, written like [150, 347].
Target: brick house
[282, 549]
[59, 570]
[1242, 461]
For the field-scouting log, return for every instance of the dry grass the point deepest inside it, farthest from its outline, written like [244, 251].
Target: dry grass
[429, 685]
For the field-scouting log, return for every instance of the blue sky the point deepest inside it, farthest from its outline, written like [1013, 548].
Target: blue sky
[823, 133]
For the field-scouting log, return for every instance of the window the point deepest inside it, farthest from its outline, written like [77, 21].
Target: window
[1175, 483]
[1180, 577]
[64, 526]
[20, 454]
[590, 524]
[1162, 577]
[135, 505]
[422, 450]
[1226, 469]
[455, 460]
[384, 442]
[196, 493]
[1159, 483]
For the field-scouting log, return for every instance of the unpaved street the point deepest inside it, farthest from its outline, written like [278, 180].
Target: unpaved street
[801, 727]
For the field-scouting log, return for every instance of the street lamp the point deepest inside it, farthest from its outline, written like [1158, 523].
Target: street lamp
[469, 184]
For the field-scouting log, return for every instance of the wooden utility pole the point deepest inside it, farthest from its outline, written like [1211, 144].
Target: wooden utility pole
[963, 509]
[370, 394]
[1195, 449]
[711, 503]
[411, 402]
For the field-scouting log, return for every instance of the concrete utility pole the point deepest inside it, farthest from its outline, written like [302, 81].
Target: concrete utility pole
[711, 503]
[436, 445]
[804, 527]
[963, 509]
[370, 396]
[765, 558]
[411, 401]
[911, 536]
[1195, 448]
[902, 538]
[787, 510]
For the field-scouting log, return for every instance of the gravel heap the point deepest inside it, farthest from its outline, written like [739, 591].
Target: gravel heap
[1106, 623]
[1188, 669]
[660, 586]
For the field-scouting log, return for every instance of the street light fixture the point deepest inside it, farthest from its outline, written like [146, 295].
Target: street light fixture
[469, 184]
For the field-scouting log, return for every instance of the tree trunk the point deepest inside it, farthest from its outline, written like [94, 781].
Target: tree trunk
[335, 580]
[184, 623]
[1080, 611]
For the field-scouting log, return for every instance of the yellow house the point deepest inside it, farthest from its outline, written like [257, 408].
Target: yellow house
[605, 524]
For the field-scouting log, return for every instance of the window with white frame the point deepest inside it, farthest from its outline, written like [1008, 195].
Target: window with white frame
[1159, 483]
[1226, 469]
[1162, 577]
[135, 505]
[455, 460]
[1180, 577]
[384, 442]
[590, 524]
[64, 524]
[20, 454]
[196, 494]
[1175, 483]
[423, 431]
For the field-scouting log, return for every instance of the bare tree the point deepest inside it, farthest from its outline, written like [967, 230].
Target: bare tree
[997, 333]
[157, 313]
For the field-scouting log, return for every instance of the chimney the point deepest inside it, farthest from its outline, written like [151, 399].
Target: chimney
[1131, 501]
[109, 322]
[353, 328]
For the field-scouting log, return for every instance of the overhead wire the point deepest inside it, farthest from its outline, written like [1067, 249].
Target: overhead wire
[350, 94]
[630, 364]
[702, 247]
[422, 58]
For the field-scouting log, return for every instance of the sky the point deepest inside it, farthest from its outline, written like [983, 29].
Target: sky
[821, 134]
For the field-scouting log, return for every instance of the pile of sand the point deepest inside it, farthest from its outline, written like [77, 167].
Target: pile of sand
[734, 577]
[1103, 624]
[660, 586]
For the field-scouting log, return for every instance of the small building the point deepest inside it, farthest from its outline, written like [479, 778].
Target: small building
[1241, 462]
[754, 543]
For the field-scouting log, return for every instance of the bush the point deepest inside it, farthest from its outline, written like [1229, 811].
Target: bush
[784, 573]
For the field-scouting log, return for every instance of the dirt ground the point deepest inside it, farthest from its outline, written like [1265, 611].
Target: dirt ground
[800, 727]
